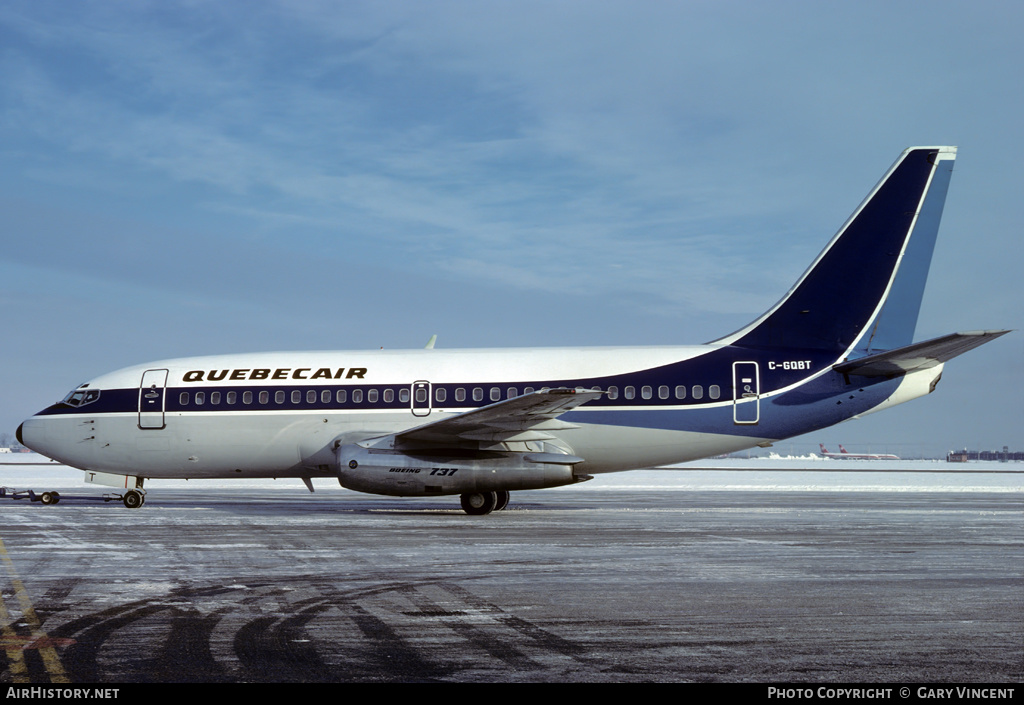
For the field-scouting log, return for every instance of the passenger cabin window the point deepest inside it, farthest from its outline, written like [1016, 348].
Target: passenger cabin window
[232, 397]
[440, 394]
[698, 391]
[200, 398]
[680, 391]
[714, 391]
[264, 397]
[478, 394]
[403, 395]
[357, 396]
[613, 392]
[663, 392]
[279, 396]
[646, 392]
[629, 392]
[342, 396]
[247, 397]
[371, 396]
[183, 398]
[460, 394]
[389, 395]
[215, 397]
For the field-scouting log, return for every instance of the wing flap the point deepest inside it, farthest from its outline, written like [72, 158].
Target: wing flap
[529, 416]
[919, 356]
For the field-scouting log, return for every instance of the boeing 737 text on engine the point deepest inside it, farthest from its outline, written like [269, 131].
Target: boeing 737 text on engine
[483, 423]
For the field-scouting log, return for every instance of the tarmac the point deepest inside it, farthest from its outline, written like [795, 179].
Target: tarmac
[649, 576]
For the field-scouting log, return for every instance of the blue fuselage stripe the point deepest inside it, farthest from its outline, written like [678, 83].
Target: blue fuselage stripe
[813, 400]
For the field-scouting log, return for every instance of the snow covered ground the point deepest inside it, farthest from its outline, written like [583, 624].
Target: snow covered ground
[807, 474]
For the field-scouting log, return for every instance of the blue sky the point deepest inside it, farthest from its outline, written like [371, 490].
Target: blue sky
[208, 177]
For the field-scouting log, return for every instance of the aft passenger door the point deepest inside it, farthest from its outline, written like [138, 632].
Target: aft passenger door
[746, 393]
[152, 391]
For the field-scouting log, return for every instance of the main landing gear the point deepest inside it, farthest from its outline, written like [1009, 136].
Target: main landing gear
[480, 503]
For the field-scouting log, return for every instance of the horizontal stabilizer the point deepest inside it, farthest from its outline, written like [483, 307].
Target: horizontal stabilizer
[918, 356]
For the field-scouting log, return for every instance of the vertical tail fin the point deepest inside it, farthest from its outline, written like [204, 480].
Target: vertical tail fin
[894, 326]
[866, 285]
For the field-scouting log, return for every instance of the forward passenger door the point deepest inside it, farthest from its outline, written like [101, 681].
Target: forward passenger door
[152, 394]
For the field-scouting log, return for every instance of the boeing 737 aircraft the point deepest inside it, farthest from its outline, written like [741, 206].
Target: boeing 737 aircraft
[483, 423]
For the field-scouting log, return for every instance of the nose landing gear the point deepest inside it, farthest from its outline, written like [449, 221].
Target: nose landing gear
[133, 499]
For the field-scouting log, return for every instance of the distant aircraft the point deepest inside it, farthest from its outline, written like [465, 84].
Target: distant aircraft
[844, 454]
[483, 423]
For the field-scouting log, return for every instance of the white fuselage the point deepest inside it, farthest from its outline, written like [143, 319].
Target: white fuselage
[283, 414]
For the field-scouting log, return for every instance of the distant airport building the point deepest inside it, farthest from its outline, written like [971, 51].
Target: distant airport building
[1003, 456]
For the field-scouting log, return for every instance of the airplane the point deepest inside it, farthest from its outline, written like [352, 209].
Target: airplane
[483, 423]
[844, 454]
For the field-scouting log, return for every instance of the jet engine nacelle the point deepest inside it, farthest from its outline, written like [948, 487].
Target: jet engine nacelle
[396, 473]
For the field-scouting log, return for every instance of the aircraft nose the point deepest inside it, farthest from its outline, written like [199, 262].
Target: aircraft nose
[34, 435]
[29, 434]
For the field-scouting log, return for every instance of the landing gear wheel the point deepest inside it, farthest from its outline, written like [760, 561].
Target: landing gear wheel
[501, 497]
[133, 499]
[478, 503]
[49, 497]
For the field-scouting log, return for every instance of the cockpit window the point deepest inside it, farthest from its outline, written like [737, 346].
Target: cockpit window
[81, 397]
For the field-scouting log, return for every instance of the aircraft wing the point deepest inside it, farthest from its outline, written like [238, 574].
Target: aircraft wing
[918, 356]
[524, 418]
